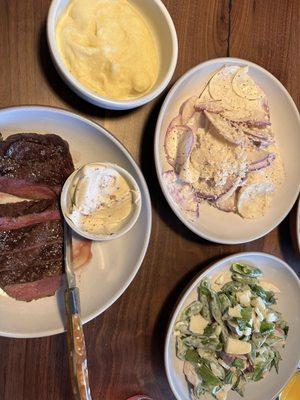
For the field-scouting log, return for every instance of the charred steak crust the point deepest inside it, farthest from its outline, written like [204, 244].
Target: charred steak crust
[31, 237]
[35, 167]
[38, 158]
[31, 265]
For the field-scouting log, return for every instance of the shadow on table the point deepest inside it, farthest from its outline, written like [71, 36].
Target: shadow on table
[165, 314]
[62, 89]
[147, 164]
[288, 240]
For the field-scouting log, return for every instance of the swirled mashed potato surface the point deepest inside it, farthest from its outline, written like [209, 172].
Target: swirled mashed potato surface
[108, 47]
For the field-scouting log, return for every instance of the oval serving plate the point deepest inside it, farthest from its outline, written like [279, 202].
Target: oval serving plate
[214, 224]
[281, 275]
[114, 263]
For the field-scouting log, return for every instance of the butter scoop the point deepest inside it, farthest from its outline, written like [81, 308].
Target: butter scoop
[103, 201]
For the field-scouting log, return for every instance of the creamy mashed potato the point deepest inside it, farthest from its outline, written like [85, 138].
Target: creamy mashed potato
[108, 47]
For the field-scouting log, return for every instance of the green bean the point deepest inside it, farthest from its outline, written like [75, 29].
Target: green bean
[266, 327]
[225, 303]
[191, 355]
[246, 270]
[193, 309]
[181, 348]
[244, 279]
[208, 377]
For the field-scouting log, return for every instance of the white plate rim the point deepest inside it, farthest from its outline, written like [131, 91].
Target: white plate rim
[146, 204]
[174, 208]
[298, 224]
[191, 286]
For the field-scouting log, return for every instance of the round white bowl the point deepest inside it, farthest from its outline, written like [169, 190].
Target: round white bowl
[213, 224]
[274, 271]
[65, 201]
[161, 25]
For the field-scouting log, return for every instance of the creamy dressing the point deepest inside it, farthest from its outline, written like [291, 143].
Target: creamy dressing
[232, 154]
[102, 199]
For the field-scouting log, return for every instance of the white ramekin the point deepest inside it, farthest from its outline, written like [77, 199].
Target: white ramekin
[65, 201]
[160, 23]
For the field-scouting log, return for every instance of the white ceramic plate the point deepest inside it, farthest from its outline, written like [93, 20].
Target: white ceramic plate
[114, 263]
[213, 224]
[298, 225]
[280, 274]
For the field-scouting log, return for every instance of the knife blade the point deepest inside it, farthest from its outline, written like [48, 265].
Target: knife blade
[71, 280]
[75, 336]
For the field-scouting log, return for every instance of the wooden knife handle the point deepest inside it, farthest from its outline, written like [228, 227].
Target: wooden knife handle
[76, 347]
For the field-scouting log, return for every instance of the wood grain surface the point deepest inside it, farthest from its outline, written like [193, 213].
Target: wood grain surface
[125, 344]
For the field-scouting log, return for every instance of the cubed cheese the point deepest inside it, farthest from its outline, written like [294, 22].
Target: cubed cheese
[236, 346]
[197, 324]
[235, 312]
[258, 302]
[244, 298]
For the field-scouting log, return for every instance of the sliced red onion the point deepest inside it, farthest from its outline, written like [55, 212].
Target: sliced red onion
[182, 194]
[259, 141]
[139, 397]
[187, 109]
[175, 121]
[253, 123]
[213, 194]
[229, 358]
[263, 163]
[179, 141]
[213, 106]
[227, 204]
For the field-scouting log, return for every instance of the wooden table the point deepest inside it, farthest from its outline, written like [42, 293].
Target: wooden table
[125, 344]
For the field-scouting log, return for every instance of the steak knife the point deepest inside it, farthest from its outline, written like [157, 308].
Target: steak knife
[75, 336]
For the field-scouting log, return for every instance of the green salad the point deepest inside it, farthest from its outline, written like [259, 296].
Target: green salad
[231, 334]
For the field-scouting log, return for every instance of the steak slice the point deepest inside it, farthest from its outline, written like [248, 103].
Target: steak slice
[26, 189]
[12, 223]
[31, 265]
[42, 159]
[25, 207]
[34, 290]
[31, 237]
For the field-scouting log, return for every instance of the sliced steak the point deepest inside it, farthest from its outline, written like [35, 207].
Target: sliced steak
[37, 158]
[26, 189]
[31, 237]
[12, 223]
[34, 290]
[31, 264]
[25, 207]
[33, 167]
